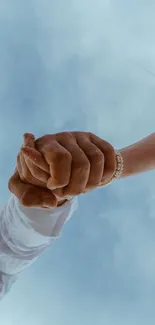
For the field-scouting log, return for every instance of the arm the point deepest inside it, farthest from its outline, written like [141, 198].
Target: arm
[25, 233]
[47, 178]
[139, 157]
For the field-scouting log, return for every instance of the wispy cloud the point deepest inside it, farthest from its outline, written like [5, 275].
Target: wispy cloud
[85, 66]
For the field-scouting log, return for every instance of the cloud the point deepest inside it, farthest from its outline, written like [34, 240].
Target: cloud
[84, 66]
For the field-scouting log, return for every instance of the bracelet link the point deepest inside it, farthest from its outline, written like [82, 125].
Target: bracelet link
[118, 171]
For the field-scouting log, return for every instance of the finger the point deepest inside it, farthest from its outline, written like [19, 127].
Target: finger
[29, 140]
[59, 160]
[27, 175]
[30, 195]
[38, 197]
[36, 158]
[36, 172]
[109, 156]
[17, 186]
[19, 167]
[96, 159]
[59, 194]
[80, 168]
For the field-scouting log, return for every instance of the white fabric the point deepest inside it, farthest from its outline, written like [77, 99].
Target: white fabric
[25, 233]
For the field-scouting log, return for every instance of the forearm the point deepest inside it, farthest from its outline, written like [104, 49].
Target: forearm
[26, 232]
[139, 157]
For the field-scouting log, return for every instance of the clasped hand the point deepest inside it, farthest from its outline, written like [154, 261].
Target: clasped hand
[59, 166]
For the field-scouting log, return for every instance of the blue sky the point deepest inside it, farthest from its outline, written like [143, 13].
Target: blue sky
[83, 65]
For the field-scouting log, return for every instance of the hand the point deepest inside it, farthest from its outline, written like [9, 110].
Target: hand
[21, 184]
[77, 162]
[36, 172]
[31, 195]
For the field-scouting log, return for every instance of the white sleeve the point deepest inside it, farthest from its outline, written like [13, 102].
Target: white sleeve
[25, 233]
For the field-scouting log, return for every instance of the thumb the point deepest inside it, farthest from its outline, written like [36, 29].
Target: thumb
[31, 195]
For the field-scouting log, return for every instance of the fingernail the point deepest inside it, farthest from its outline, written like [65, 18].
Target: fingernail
[68, 197]
[50, 187]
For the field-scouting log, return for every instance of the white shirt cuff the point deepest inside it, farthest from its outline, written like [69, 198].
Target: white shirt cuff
[36, 226]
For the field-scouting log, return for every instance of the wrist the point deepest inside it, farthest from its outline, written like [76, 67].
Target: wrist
[128, 161]
[138, 158]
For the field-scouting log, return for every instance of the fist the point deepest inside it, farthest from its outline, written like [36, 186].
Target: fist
[71, 163]
[31, 165]
[30, 195]
[28, 183]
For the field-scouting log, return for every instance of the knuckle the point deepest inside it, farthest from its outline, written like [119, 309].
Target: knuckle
[66, 135]
[83, 164]
[111, 149]
[97, 156]
[90, 135]
[66, 138]
[67, 156]
[62, 157]
[108, 147]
